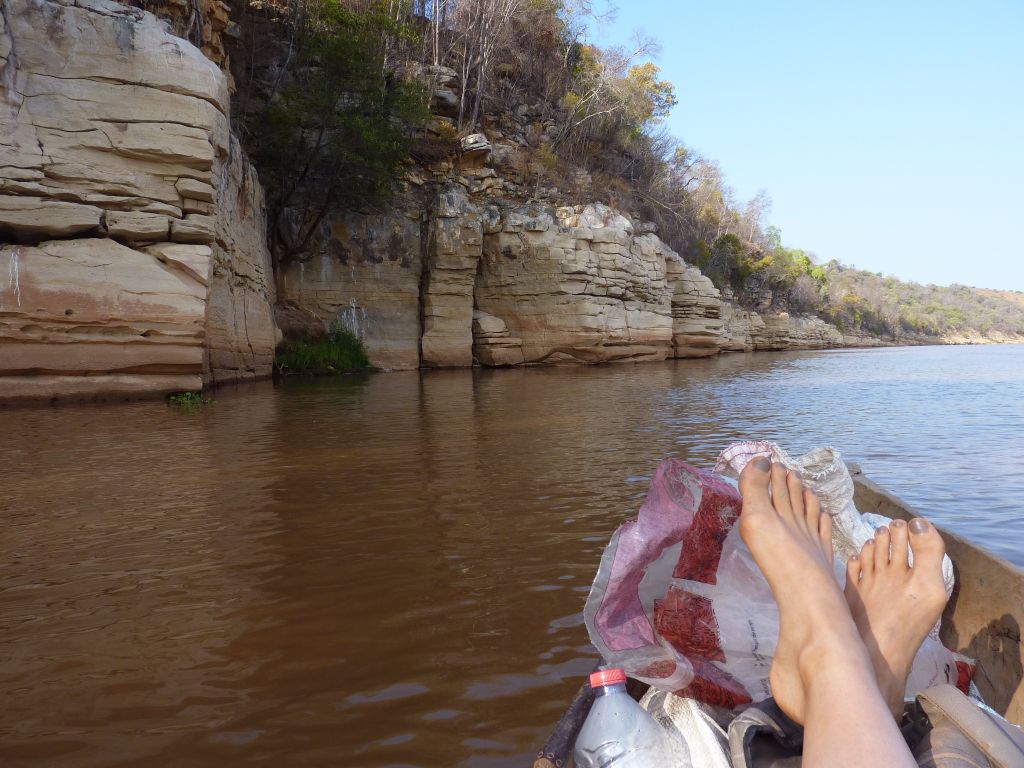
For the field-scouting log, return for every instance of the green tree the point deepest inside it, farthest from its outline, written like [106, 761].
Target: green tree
[335, 133]
[650, 99]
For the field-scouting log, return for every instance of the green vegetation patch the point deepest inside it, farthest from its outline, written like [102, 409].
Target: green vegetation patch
[340, 351]
[188, 400]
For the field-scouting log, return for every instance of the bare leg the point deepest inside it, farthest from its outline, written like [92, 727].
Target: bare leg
[894, 605]
[822, 675]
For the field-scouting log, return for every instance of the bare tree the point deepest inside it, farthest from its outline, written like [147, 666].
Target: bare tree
[753, 212]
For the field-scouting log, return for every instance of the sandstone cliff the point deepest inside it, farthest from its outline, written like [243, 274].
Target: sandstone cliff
[131, 224]
[133, 233]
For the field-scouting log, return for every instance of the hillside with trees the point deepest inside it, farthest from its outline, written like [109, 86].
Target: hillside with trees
[346, 109]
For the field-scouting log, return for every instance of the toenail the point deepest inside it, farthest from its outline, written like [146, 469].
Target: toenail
[897, 523]
[763, 464]
[881, 530]
[854, 558]
[919, 525]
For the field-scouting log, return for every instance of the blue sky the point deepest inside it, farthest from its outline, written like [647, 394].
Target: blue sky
[889, 135]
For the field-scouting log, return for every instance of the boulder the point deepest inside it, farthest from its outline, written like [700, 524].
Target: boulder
[194, 189]
[475, 147]
[493, 345]
[194, 228]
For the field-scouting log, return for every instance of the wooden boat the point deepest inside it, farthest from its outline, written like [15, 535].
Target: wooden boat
[982, 620]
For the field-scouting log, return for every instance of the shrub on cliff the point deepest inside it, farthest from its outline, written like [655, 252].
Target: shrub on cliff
[340, 351]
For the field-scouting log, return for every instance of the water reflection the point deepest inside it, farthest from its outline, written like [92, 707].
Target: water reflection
[390, 570]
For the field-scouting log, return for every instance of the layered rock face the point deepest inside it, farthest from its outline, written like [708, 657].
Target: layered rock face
[455, 280]
[240, 331]
[366, 275]
[698, 329]
[450, 281]
[577, 287]
[131, 225]
[738, 328]
[746, 331]
[454, 245]
[476, 264]
[783, 331]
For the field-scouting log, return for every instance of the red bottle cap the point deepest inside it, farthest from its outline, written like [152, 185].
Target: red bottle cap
[607, 677]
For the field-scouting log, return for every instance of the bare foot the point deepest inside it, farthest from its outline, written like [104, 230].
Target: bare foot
[791, 541]
[894, 605]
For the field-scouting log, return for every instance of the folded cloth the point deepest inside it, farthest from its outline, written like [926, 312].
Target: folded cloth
[949, 730]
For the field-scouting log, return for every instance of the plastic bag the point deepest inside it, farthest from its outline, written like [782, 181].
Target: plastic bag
[679, 602]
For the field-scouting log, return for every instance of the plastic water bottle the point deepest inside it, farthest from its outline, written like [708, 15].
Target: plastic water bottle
[618, 733]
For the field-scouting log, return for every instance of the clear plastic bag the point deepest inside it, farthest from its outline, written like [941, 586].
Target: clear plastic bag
[679, 602]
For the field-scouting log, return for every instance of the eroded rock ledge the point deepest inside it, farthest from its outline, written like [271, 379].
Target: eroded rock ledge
[132, 233]
[459, 280]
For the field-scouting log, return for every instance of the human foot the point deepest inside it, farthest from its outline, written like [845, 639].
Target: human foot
[791, 541]
[894, 605]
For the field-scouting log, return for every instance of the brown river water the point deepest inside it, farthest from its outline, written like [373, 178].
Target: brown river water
[390, 570]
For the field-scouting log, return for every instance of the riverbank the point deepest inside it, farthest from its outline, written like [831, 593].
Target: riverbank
[136, 239]
[19, 392]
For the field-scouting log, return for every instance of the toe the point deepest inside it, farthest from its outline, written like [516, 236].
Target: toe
[867, 561]
[824, 523]
[898, 535]
[780, 491]
[881, 548]
[754, 482]
[926, 544]
[811, 507]
[852, 575]
[795, 490]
